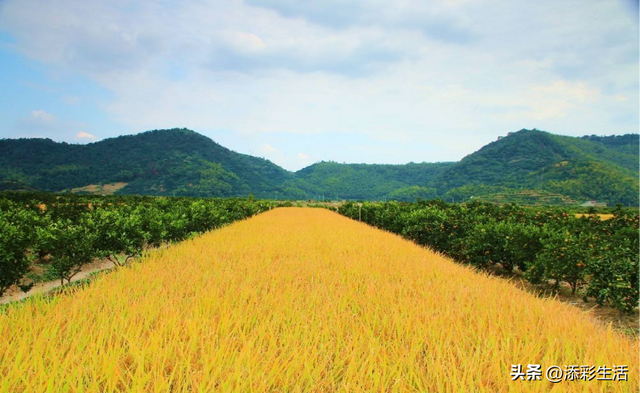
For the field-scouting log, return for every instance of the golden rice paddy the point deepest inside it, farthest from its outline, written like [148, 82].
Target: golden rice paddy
[603, 216]
[300, 300]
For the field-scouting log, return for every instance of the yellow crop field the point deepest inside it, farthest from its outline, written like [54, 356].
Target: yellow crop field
[301, 300]
[603, 216]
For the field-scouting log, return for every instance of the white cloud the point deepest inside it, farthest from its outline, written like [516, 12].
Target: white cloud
[244, 42]
[268, 149]
[85, 135]
[272, 153]
[577, 92]
[38, 122]
[449, 75]
[42, 124]
[554, 100]
[303, 157]
[42, 116]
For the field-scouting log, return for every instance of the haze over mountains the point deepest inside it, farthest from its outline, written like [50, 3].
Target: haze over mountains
[540, 166]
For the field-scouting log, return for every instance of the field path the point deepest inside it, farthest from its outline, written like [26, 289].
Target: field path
[48, 286]
[300, 299]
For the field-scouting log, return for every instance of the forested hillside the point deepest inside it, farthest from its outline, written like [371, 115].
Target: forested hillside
[161, 162]
[591, 167]
[529, 165]
[371, 181]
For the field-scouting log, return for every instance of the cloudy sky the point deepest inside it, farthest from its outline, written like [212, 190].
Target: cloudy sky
[299, 81]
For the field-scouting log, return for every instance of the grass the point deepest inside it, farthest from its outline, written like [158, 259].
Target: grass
[299, 300]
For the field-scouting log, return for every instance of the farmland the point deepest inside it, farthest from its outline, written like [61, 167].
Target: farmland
[299, 300]
[46, 236]
[595, 255]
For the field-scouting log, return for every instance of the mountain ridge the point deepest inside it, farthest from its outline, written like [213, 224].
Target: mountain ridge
[183, 162]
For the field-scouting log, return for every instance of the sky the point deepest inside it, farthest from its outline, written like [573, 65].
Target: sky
[299, 82]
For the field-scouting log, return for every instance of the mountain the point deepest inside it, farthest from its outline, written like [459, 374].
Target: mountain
[529, 163]
[160, 162]
[590, 167]
[370, 181]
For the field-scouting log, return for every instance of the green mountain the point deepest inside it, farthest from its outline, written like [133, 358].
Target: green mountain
[370, 181]
[160, 162]
[591, 167]
[527, 165]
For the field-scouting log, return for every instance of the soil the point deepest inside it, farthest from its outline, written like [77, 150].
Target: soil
[106, 189]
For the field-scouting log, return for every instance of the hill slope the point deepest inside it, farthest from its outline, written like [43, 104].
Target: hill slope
[173, 162]
[182, 162]
[370, 181]
[601, 168]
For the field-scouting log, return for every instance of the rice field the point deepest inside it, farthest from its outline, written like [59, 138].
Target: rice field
[603, 216]
[301, 300]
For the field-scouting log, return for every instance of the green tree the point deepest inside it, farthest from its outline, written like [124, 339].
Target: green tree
[15, 241]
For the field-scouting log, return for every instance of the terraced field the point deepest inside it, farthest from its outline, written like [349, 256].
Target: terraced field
[300, 300]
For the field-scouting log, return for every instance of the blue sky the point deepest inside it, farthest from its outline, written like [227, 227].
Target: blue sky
[298, 82]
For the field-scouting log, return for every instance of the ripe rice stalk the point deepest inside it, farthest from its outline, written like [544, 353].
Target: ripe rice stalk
[300, 300]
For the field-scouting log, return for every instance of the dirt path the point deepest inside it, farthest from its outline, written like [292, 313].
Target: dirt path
[15, 293]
